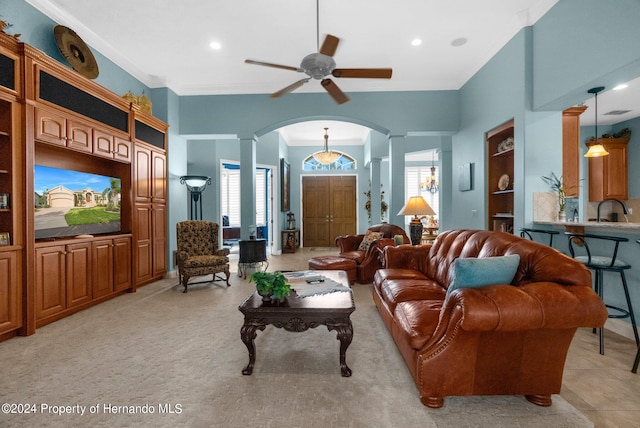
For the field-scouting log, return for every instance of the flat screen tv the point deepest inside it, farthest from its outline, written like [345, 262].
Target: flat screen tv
[72, 203]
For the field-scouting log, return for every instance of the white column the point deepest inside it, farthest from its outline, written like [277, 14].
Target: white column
[247, 185]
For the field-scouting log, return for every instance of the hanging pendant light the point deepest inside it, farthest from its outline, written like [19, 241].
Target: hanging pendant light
[326, 157]
[431, 184]
[596, 149]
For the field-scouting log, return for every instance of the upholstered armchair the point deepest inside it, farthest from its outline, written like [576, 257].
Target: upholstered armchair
[198, 252]
[363, 248]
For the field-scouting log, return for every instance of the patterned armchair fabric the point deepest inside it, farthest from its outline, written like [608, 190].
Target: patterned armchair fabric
[198, 252]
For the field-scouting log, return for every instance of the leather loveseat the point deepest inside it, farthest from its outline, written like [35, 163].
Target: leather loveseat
[368, 260]
[502, 339]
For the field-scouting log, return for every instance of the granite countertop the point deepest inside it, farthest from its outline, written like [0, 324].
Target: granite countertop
[594, 224]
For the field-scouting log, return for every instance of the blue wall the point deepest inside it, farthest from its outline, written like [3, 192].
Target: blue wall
[37, 30]
[580, 44]
[541, 71]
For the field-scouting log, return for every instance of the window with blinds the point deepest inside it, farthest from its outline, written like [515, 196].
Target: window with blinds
[230, 196]
[414, 175]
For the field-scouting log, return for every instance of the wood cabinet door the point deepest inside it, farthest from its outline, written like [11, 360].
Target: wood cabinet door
[122, 149]
[328, 209]
[571, 150]
[121, 263]
[11, 290]
[159, 219]
[103, 144]
[78, 277]
[143, 245]
[608, 175]
[50, 281]
[50, 127]
[79, 136]
[102, 267]
[142, 174]
[615, 171]
[159, 177]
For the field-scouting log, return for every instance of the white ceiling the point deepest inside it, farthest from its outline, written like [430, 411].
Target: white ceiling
[166, 43]
[613, 101]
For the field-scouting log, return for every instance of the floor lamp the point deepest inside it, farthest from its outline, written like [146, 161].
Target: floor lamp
[195, 185]
[416, 206]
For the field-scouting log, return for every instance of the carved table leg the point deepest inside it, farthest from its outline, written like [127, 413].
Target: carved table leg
[247, 334]
[344, 329]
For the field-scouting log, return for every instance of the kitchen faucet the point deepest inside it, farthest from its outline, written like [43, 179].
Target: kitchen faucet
[625, 211]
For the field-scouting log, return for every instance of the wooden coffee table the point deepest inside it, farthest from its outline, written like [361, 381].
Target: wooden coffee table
[298, 314]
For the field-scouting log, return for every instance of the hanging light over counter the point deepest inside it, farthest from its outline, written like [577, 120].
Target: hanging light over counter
[596, 149]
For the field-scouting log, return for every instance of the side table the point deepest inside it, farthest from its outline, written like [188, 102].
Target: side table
[253, 254]
[290, 240]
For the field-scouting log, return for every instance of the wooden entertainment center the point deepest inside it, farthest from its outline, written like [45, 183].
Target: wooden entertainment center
[51, 115]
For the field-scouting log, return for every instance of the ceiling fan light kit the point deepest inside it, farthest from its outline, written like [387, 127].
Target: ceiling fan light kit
[319, 65]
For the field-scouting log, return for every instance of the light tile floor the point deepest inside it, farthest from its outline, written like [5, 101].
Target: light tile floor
[602, 387]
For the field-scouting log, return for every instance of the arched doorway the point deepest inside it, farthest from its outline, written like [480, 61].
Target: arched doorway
[317, 229]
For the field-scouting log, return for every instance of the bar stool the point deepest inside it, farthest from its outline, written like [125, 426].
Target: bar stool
[637, 360]
[526, 232]
[600, 265]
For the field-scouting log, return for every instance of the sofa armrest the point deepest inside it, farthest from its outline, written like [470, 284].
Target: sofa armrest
[406, 256]
[349, 242]
[373, 253]
[532, 306]
[506, 308]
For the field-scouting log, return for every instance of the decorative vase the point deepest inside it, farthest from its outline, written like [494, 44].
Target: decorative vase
[266, 295]
[562, 215]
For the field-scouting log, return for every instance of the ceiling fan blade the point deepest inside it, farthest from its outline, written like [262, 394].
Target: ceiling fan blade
[335, 92]
[269, 64]
[289, 88]
[329, 45]
[365, 73]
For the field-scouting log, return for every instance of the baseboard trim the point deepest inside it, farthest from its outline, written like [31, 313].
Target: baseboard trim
[620, 327]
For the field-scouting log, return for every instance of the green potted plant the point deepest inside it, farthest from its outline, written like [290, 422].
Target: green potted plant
[557, 186]
[271, 285]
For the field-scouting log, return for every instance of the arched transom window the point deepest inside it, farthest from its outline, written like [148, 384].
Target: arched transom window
[344, 162]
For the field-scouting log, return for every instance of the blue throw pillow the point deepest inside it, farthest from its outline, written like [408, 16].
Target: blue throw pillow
[475, 272]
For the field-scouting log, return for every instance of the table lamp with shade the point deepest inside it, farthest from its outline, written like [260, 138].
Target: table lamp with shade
[416, 206]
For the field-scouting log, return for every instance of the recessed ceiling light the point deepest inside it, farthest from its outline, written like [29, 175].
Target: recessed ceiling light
[459, 41]
[416, 42]
[215, 45]
[620, 86]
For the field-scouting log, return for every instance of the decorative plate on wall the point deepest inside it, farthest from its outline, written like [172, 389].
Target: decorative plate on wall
[505, 145]
[503, 182]
[76, 51]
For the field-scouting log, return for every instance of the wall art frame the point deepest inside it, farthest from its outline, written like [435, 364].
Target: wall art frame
[285, 185]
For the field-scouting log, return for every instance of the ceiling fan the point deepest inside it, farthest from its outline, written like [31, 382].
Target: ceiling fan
[319, 65]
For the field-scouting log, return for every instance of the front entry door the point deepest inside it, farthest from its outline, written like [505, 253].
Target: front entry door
[328, 209]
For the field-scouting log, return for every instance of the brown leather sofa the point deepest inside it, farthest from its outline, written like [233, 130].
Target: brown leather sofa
[368, 261]
[493, 340]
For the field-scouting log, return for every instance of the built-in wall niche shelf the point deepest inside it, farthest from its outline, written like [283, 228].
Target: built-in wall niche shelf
[500, 173]
[506, 152]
